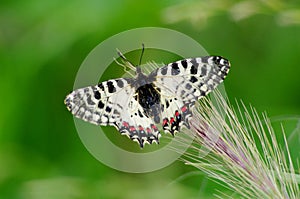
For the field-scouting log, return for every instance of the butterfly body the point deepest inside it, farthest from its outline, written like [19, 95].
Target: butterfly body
[136, 105]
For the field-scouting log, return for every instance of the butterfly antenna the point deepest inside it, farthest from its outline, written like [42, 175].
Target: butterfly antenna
[143, 49]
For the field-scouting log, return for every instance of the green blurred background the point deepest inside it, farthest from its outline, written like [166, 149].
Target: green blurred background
[43, 43]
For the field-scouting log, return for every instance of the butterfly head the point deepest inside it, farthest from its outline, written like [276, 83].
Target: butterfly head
[138, 71]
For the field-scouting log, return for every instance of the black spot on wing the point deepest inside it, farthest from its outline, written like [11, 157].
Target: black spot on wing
[193, 79]
[175, 69]
[167, 104]
[193, 70]
[111, 87]
[202, 93]
[97, 95]
[101, 86]
[216, 59]
[108, 109]
[90, 101]
[100, 105]
[188, 86]
[203, 71]
[120, 83]
[184, 63]
[164, 70]
[140, 114]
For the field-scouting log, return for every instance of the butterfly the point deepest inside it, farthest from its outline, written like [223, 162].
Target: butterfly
[136, 105]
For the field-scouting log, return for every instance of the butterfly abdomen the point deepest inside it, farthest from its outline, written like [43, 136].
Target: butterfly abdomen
[149, 98]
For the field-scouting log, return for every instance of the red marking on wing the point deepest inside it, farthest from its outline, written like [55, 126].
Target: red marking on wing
[165, 121]
[132, 128]
[125, 124]
[154, 127]
[172, 120]
[141, 128]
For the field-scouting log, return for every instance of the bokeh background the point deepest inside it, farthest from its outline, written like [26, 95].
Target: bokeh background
[43, 43]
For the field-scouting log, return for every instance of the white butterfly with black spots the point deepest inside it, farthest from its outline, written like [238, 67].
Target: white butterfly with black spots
[135, 105]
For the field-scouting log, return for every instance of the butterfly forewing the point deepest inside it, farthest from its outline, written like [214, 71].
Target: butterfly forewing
[193, 78]
[98, 104]
[184, 82]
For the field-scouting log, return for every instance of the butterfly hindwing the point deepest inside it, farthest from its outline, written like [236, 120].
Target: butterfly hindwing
[112, 103]
[174, 114]
[137, 125]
